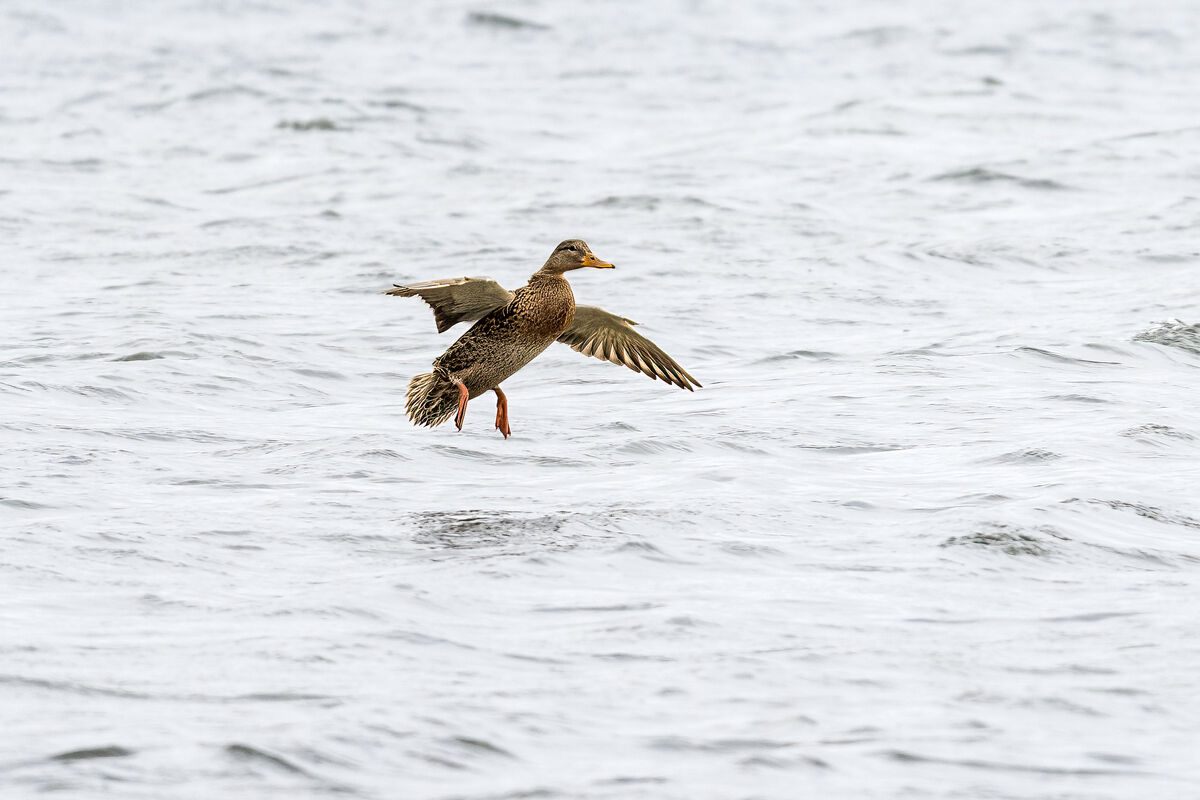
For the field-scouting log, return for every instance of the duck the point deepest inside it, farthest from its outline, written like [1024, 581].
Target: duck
[511, 328]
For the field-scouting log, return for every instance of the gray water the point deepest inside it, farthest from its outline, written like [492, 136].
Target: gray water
[930, 529]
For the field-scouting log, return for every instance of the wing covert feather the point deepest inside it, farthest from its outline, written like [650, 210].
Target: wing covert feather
[456, 300]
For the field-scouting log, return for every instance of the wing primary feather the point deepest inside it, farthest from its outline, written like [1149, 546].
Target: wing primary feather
[600, 334]
[643, 367]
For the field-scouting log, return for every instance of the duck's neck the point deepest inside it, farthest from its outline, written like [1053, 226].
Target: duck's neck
[547, 303]
[544, 274]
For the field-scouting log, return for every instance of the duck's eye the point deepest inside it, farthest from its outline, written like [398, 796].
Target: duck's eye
[573, 248]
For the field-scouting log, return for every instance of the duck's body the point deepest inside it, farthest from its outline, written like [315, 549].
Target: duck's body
[507, 339]
[513, 328]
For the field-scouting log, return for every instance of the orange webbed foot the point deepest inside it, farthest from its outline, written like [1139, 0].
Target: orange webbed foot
[502, 413]
[464, 395]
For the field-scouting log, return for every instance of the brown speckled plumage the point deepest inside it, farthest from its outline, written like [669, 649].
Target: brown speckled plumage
[513, 328]
[510, 337]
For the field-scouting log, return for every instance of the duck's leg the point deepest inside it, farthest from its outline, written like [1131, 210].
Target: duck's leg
[502, 412]
[464, 395]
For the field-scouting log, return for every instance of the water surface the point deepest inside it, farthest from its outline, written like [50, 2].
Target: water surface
[929, 530]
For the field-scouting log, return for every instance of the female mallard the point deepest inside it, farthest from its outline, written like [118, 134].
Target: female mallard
[513, 328]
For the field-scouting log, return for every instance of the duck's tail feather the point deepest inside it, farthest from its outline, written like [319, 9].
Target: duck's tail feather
[432, 399]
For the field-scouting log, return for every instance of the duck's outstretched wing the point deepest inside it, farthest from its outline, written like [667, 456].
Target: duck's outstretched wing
[597, 333]
[456, 300]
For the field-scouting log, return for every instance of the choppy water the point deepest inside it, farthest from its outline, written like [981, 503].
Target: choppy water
[930, 530]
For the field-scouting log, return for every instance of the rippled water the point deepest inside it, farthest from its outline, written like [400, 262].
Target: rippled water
[929, 530]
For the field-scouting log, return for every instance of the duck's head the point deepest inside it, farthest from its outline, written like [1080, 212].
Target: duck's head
[573, 254]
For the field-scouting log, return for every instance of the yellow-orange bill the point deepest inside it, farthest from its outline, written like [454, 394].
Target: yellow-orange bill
[590, 260]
